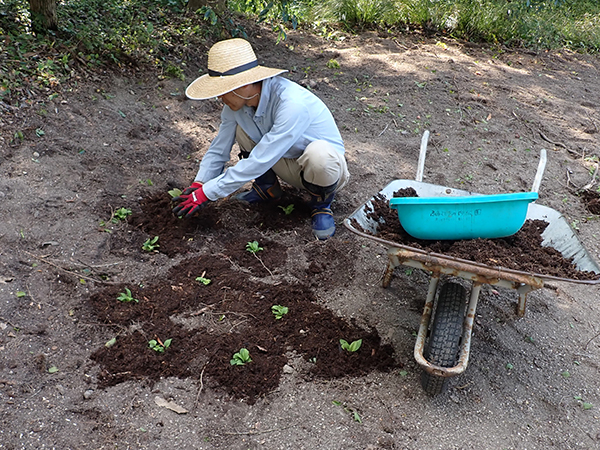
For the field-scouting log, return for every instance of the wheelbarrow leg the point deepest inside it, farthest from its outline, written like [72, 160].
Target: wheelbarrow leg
[523, 290]
[387, 275]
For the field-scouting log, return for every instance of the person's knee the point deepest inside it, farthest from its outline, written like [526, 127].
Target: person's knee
[320, 164]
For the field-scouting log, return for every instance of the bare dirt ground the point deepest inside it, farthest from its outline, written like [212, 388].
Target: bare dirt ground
[122, 141]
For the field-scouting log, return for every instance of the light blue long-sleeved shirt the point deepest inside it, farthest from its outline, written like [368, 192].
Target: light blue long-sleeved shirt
[287, 119]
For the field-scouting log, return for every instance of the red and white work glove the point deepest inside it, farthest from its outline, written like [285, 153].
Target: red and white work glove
[190, 201]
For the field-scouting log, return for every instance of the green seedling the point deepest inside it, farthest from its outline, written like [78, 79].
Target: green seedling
[241, 358]
[585, 405]
[352, 347]
[201, 279]
[253, 247]
[279, 311]
[158, 346]
[175, 192]
[354, 413]
[287, 209]
[121, 214]
[333, 64]
[151, 244]
[126, 297]
[21, 294]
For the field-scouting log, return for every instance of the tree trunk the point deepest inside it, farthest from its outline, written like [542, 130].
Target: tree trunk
[43, 15]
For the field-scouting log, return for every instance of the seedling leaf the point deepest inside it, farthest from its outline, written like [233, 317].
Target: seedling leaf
[158, 346]
[279, 311]
[253, 247]
[151, 244]
[240, 358]
[352, 347]
[175, 192]
[204, 281]
[127, 297]
[287, 209]
[121, 214]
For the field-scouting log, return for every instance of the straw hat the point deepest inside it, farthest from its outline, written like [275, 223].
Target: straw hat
[231, 64]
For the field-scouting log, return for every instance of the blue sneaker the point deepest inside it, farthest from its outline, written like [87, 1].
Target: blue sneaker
[260, 193]
[323, 224]
[265, 188]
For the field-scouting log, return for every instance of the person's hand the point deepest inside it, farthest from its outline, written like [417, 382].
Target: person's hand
[190, 201]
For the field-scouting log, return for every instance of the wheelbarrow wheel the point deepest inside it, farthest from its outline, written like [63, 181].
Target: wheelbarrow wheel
[442, 347]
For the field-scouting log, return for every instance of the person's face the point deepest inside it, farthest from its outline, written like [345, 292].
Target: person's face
[248, 95]
[232, 100]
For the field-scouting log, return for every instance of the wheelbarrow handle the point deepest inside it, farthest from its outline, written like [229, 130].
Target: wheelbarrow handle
[540, 171]
[422, 154]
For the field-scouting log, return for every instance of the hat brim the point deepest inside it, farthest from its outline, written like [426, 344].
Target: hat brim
[206, 87]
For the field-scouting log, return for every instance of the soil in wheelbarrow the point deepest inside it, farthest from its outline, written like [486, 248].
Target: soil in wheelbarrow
[215, 302]
[522, 251]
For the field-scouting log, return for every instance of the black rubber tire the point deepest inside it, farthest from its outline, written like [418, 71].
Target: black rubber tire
[442, 347]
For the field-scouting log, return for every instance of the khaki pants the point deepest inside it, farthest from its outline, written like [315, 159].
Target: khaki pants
[320, 163]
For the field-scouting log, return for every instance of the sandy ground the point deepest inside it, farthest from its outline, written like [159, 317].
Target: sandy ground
[113, 141]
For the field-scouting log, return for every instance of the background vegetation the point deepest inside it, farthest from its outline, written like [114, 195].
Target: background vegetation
[126, 34]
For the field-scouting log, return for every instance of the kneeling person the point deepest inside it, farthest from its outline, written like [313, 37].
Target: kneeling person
[283, 130]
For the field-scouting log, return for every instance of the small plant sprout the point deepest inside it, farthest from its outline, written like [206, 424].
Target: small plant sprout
[279, 311]
[254, 247]
[201, 279]
[151, 244]
[158, 346]
[121, 214]
[175, 192]
[241, 358]
[333, 64]
[352, 411]
[352, 347]
[126, 297]
[287, 209]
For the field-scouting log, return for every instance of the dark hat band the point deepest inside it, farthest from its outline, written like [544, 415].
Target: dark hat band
[234, 71]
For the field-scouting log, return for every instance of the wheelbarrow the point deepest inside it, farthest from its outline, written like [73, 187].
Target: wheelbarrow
[443, 341]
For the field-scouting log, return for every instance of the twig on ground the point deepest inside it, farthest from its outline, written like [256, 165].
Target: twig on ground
[524, 122]
[569, 180]
[263, 264]
[39, 258]
[201, 382]
[559, 144]
[386, 127]
[588, 342]
[203, 310]
[592, 181]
